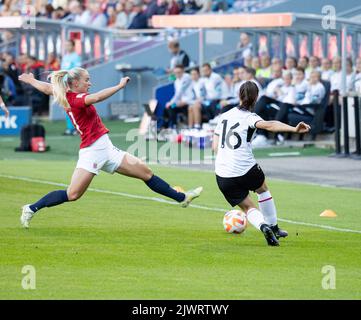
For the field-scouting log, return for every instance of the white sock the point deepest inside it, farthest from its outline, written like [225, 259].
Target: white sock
[268, 208]
[255, 218]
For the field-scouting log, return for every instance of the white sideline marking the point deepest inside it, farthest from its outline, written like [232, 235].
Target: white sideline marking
[128, 195]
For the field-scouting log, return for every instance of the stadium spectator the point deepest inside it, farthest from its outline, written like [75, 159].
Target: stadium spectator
[214, 85]
[183, 96]
[112, 16]
[313, 98]
[179, 56]
[75, 12]
[11, 70]
[326, 69]
[155, 7]
[256, 64]
[245, 45]
[38, 100]
[300, 84]
[314, 65]
[303, 63]
[204, 5]
[139, 20]
[122, 20]
[265, 71]
[195, 106]
[336, 79]
[97, 16]
[173, 8]
[291, 65]
[7, 88]
[358, 76]
[52, 62]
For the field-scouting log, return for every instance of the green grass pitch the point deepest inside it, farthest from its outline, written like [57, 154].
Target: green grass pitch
[110, 246]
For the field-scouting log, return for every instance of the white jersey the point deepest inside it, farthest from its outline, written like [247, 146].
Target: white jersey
[287, 94]
[214, 85]
[273, 87]
[314, 94]
[183, 89]
[301, 89]
[235, 129]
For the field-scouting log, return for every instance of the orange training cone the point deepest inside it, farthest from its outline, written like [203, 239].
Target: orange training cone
[328, 214]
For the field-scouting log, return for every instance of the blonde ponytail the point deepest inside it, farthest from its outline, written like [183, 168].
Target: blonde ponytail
[62, 81]
[60, 87]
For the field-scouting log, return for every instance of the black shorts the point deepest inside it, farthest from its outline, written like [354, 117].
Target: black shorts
[235, 190]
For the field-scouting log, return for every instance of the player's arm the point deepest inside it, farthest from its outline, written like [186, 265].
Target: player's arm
[106, 93]
[277, 126]
[42, 86]
[3, 107]
[215, 143]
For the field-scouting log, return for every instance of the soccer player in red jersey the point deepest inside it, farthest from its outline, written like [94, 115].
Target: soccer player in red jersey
[71, 91]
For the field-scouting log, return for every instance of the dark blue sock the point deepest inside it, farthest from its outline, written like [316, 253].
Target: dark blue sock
[52, 199]
[160, 186]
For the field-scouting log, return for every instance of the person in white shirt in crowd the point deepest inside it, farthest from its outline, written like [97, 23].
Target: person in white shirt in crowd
[237, 171]
[301, 84]
[313, 97]
[195, 105]
[214, 85]
[183, 96]
[358, 76]
[291, 65]
[303, 63]
[245, 45]
[314, 65]
[336, 79]
[326, 69]
[265, 71]
[233, 101]
[276, 108]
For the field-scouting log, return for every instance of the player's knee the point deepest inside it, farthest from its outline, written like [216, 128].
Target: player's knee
[74, 195]
[147, 173]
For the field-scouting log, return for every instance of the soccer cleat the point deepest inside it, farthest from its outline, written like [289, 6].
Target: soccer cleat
[190, 196]
[26, 216]
[279, 233]
[269, 236]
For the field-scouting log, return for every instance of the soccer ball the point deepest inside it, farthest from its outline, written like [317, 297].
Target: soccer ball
[235, 221]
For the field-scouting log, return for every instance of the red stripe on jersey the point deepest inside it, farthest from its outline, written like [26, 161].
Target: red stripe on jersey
[265, 200]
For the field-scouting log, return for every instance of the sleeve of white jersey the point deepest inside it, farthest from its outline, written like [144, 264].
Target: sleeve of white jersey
[252, 120]
[218, 129]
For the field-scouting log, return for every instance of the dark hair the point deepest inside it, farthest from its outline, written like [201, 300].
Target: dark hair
[196, 69]
[248, 94]
[251, 71]
[300, 69]
[179, 66]
[207, 65]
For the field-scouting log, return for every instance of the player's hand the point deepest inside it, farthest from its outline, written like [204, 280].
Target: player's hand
[124, 81]
[302, 128]
[6, 110]
[26, 77]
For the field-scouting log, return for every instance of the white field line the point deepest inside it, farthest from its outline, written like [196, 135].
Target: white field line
[128, 195]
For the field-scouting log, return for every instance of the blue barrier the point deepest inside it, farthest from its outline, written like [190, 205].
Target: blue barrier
[163, 94]
[19, 117]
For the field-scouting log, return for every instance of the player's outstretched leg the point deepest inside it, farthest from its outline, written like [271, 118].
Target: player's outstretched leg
[255, 218]
[267, 207]
[79, 183]
[133, 167]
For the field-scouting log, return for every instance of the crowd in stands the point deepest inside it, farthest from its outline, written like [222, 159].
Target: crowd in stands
[122, 14]
[290, 91]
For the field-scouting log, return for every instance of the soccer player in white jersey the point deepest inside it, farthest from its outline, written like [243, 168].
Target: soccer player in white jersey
[236, 169]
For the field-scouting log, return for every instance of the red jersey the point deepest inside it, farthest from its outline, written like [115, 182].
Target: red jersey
[85, 119]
